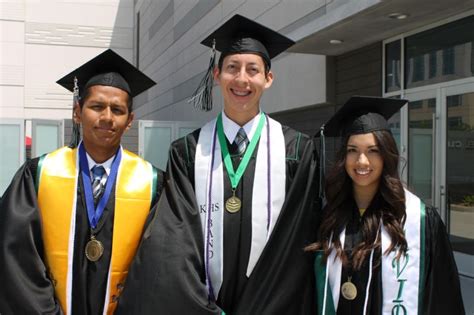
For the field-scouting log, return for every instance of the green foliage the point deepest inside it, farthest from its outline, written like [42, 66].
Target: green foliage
[468, 200]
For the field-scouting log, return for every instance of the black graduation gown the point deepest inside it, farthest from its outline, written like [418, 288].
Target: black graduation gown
[26, 286]
[442, 293]
[168, 273]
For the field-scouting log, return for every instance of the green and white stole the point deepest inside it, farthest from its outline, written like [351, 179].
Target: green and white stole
[402, 280]
[267, 199]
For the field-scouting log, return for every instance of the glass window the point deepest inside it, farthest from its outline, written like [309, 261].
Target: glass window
[47, 136]
[392, 66]
[455, 122]
[11, 157]
[416, 104]
[448, 48]
[448, 61]
[394, 124]
[418, 69]
[432, 64]
[432, 103]
[453, 101]
[153, 153]
[420, 148]
[46, 139]
[460, 172]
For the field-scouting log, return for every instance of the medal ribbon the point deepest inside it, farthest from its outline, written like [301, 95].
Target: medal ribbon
[93, 213]
[235, 176]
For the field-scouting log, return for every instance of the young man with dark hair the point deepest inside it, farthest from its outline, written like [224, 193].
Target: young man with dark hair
[241, 200]
[71, 220]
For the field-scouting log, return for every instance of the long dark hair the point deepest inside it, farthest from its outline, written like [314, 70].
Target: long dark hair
[339, 194]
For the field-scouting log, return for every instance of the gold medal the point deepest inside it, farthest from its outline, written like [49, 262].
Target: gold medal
[349, 290]
[94, 249]
[233, 204]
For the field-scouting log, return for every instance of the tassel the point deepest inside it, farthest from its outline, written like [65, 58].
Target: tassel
[76, 128]
[202, 96]
[322, 166]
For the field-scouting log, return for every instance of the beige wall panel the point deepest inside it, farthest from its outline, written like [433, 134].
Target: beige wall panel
[12, 10]
[12, 31]
[42, 113]
[86, 12]
[11, 101]
[46, 64]
[11, 53]
[299, 81]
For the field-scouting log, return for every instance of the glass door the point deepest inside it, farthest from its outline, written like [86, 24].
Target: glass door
[458, 176]
[459, 172]
[422, 143]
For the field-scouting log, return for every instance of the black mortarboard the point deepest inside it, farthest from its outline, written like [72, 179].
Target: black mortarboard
[242, 35]
[238, 35]
[362, 114]
[359, 115]
[109, 69]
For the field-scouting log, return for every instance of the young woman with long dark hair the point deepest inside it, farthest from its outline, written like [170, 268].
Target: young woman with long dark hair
[380, 249]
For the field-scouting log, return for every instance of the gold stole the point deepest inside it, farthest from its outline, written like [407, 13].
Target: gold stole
[57, 194]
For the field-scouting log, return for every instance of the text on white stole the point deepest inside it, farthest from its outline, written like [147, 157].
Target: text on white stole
[399, 266]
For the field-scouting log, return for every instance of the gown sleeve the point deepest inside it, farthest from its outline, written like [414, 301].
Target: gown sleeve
[442, 290]
[167, 274]
[25, 286]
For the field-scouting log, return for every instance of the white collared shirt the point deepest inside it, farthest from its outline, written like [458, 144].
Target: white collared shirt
[107, 164]
[231, 128]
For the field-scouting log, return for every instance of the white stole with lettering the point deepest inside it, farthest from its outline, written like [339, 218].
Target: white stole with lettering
[402, 281]
[269, 185]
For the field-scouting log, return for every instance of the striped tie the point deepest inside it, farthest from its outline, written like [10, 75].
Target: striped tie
[241, 141]
[98, 182]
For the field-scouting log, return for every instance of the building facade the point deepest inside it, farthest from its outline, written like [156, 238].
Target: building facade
[422, 51]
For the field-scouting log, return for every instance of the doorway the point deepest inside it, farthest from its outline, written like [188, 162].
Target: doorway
[439, 143]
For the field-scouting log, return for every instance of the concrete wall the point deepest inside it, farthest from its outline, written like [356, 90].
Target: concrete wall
[43, 40]
[12, 59]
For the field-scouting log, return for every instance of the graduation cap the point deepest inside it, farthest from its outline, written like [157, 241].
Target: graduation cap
[359, 115]
[109, 69]
[238, 35]
[362, 114]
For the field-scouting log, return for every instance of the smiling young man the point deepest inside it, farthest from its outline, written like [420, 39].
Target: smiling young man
[71, 220]
[241, 201]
